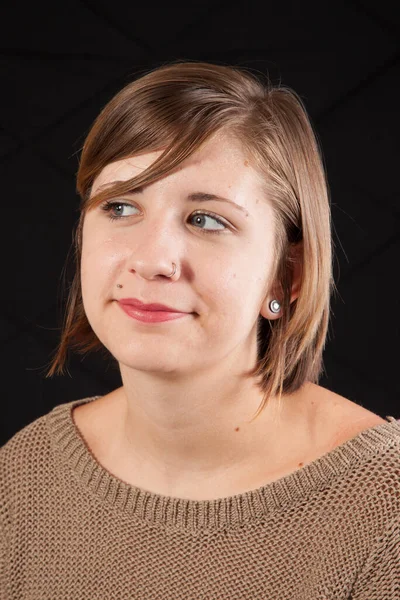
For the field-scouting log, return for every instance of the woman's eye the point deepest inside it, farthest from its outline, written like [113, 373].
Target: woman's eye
[110, 206]
[199, 218]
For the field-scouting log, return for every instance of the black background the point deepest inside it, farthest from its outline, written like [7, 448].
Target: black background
[62, 62]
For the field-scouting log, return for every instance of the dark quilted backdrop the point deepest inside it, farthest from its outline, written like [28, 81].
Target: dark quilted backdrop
[62, 61]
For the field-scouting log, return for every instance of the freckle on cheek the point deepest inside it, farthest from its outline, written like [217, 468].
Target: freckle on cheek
[246, 163]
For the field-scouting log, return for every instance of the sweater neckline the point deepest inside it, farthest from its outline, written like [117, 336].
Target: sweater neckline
[233, 511]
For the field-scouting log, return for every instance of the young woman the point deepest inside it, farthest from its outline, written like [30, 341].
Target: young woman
[220, 468]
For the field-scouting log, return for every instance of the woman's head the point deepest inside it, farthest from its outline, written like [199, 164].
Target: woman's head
[196, 127]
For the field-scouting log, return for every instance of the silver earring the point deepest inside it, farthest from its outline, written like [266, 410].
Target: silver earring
[274, 306]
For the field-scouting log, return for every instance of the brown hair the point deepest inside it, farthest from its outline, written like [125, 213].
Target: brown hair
[177, 107]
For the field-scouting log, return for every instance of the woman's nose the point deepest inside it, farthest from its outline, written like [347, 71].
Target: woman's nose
[155, 247]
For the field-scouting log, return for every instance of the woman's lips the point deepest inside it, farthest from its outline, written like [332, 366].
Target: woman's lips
[150, 316]
[148, 306]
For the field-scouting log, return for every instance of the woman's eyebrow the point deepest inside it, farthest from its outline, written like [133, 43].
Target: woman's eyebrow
[194, 197]
[203, 197]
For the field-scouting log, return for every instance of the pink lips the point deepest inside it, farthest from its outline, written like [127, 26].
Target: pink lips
[149, 313]
[142, 306]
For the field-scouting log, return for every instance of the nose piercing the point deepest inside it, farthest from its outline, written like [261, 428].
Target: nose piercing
[172, 274]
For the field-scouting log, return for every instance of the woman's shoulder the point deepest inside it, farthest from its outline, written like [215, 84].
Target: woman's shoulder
[24, 458]
[30, 447]
[341, 418]
[25, 439]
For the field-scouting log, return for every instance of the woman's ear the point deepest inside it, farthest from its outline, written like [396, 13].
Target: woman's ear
[296, 266]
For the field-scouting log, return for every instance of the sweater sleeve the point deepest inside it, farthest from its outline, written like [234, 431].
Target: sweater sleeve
[4, 548]
[2, 565]
[380, 575]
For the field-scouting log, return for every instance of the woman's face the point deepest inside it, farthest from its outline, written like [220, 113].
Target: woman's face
[223, 261]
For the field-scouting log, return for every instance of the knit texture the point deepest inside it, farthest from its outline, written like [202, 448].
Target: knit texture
[69, 529]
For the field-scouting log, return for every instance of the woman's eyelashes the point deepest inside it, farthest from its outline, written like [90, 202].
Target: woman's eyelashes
[110, 207]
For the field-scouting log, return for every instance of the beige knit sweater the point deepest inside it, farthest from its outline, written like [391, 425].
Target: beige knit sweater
[71, 530]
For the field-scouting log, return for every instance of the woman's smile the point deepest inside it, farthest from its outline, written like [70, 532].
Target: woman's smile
[151, 316]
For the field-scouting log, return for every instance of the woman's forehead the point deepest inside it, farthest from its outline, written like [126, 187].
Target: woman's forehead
[221, 159]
